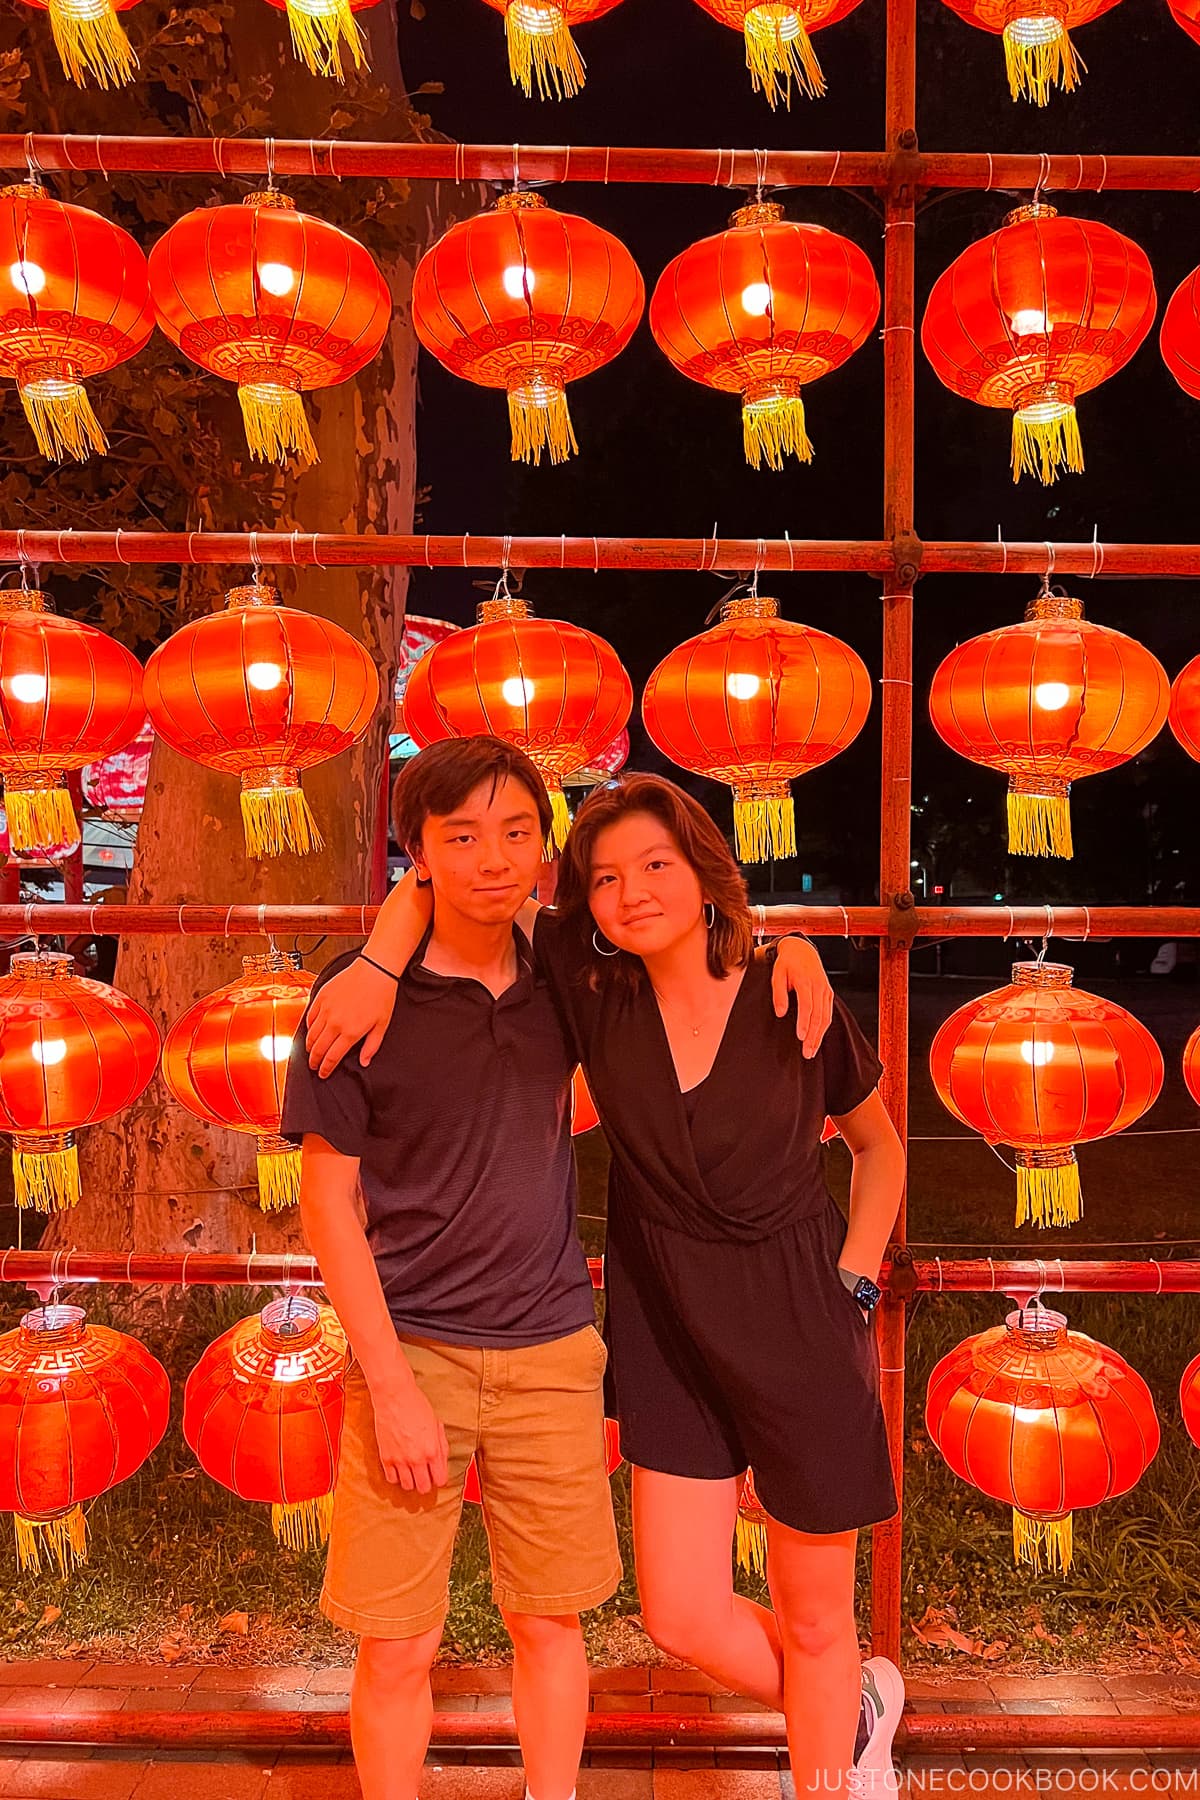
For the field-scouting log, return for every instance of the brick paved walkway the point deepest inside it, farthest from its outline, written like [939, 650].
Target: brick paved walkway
[83, 1773]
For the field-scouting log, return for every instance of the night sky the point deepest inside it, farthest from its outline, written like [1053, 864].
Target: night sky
[661, 456]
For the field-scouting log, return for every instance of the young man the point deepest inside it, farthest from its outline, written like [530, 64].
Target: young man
[357, 1010]
[466, 1299]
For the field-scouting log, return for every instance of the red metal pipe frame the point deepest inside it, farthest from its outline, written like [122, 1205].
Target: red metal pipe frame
[903, 1273]
[295, 1730]
[737, 168]
[836, 556]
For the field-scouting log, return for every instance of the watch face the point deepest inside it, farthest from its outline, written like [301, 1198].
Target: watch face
[866, 1293]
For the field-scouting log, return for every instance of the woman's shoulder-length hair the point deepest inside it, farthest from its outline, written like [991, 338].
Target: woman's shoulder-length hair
[730, 938]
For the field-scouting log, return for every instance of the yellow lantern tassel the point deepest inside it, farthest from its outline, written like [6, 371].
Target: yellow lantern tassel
[764, 821]
[274, 417]
[773, 424]
[39, 812]
[1034, 1537]
[276, 815]
[64, 1536]
[1039, 55]
[303, 1524]
[319, 29]
[1045, 439]
[45, 1173]
[278, 1174]
[541, 49]
[560, 825]
[91, 40]
[1039, 817]
[541, 420]
[1048, 1189]
[60, 414]
[778, 52]
[751, 1539]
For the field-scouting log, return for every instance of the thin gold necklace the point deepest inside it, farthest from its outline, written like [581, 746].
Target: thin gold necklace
[695, 1029]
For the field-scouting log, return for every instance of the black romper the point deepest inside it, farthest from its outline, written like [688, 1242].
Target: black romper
[732, 1338]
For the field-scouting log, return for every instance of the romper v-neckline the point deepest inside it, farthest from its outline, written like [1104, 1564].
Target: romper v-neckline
[717, 1054]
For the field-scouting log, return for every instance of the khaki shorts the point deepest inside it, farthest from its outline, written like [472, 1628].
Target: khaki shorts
[534, 1418]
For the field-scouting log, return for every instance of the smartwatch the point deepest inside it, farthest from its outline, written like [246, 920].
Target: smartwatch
[867, 1292]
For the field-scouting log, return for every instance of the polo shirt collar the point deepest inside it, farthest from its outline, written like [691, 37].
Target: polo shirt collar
[422, 984]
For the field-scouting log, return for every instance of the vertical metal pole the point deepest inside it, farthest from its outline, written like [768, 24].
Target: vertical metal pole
[896, 765]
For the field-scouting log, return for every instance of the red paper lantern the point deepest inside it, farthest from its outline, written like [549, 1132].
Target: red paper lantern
[273, 299]
[612, 1456]
[1186, 14]
[1044, 1066]
[1189, 1392]
[540, 45]
[1038, 52]
[74, 302]
[762, 310]
[263, 691]
[1191, 1065]
[90, 40]
[69, 694]
[755, 702]
[81, 1408]
[1045, 1420]
[262, 1410]
[1184, 714]
[584, 1116]
[1031, 317]
[778, 46]
[319, 30]
[526, 298]
[226, 1061]
[556, 691]
[1179, 339]
[72, 1052]
[1047, 702]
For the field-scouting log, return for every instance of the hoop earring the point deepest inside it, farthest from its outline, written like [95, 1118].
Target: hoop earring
[710, 915]
[599, 948]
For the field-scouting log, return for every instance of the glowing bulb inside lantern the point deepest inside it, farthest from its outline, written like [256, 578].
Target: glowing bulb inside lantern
[1037, 1053]
[277, 278]
[1051, 696]
[48, 1051]
[756, 298]
[27, 277]
[28, 688]
[518, 280]
[275, 1049]
[1029, 322]
[1029, 1415]
[742, 687]
[516, 691]
[773, 22]
[264, 675]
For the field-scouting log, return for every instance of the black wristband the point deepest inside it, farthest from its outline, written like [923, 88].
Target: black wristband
[363, 957]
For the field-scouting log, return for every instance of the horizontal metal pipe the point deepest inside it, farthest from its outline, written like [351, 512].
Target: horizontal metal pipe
[1066, 922]
[364, 550]
[739, 168]
[862, 556]
[51, 1269]
[284, 1730]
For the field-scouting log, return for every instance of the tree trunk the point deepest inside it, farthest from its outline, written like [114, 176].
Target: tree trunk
[155, 1178]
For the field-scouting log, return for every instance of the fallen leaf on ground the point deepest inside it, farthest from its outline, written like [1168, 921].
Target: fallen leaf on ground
[238, 1622]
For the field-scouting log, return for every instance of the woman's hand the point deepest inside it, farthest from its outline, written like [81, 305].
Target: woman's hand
[357, 1003]
[799, 971]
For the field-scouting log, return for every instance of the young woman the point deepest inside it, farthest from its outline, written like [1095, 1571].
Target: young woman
[734, 1337]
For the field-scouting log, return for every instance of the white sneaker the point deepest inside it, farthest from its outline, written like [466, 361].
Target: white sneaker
[883, 1704]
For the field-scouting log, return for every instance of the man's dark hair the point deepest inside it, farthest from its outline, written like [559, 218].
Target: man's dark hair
[441, 777]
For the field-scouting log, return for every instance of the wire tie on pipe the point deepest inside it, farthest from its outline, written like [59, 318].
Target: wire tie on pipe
[791, 552]
[1004, 551]
[1050, 564]
[228, 916]
[1098, 548]
[991, 172]
[607, 158]
[836, 165]
[941, 1278]
[464, 551]
[1079, 179]
[595, 556]
[1103, 174]
[219, 157]
[562, 550]
[516, 174]
[845, 922]
[183, 1271]
[566, 169]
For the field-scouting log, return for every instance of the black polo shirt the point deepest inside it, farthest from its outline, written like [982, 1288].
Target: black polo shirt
[462, 1130]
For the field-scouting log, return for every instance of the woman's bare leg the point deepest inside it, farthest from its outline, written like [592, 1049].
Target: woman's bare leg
[683, 1537]
[811, 1577]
